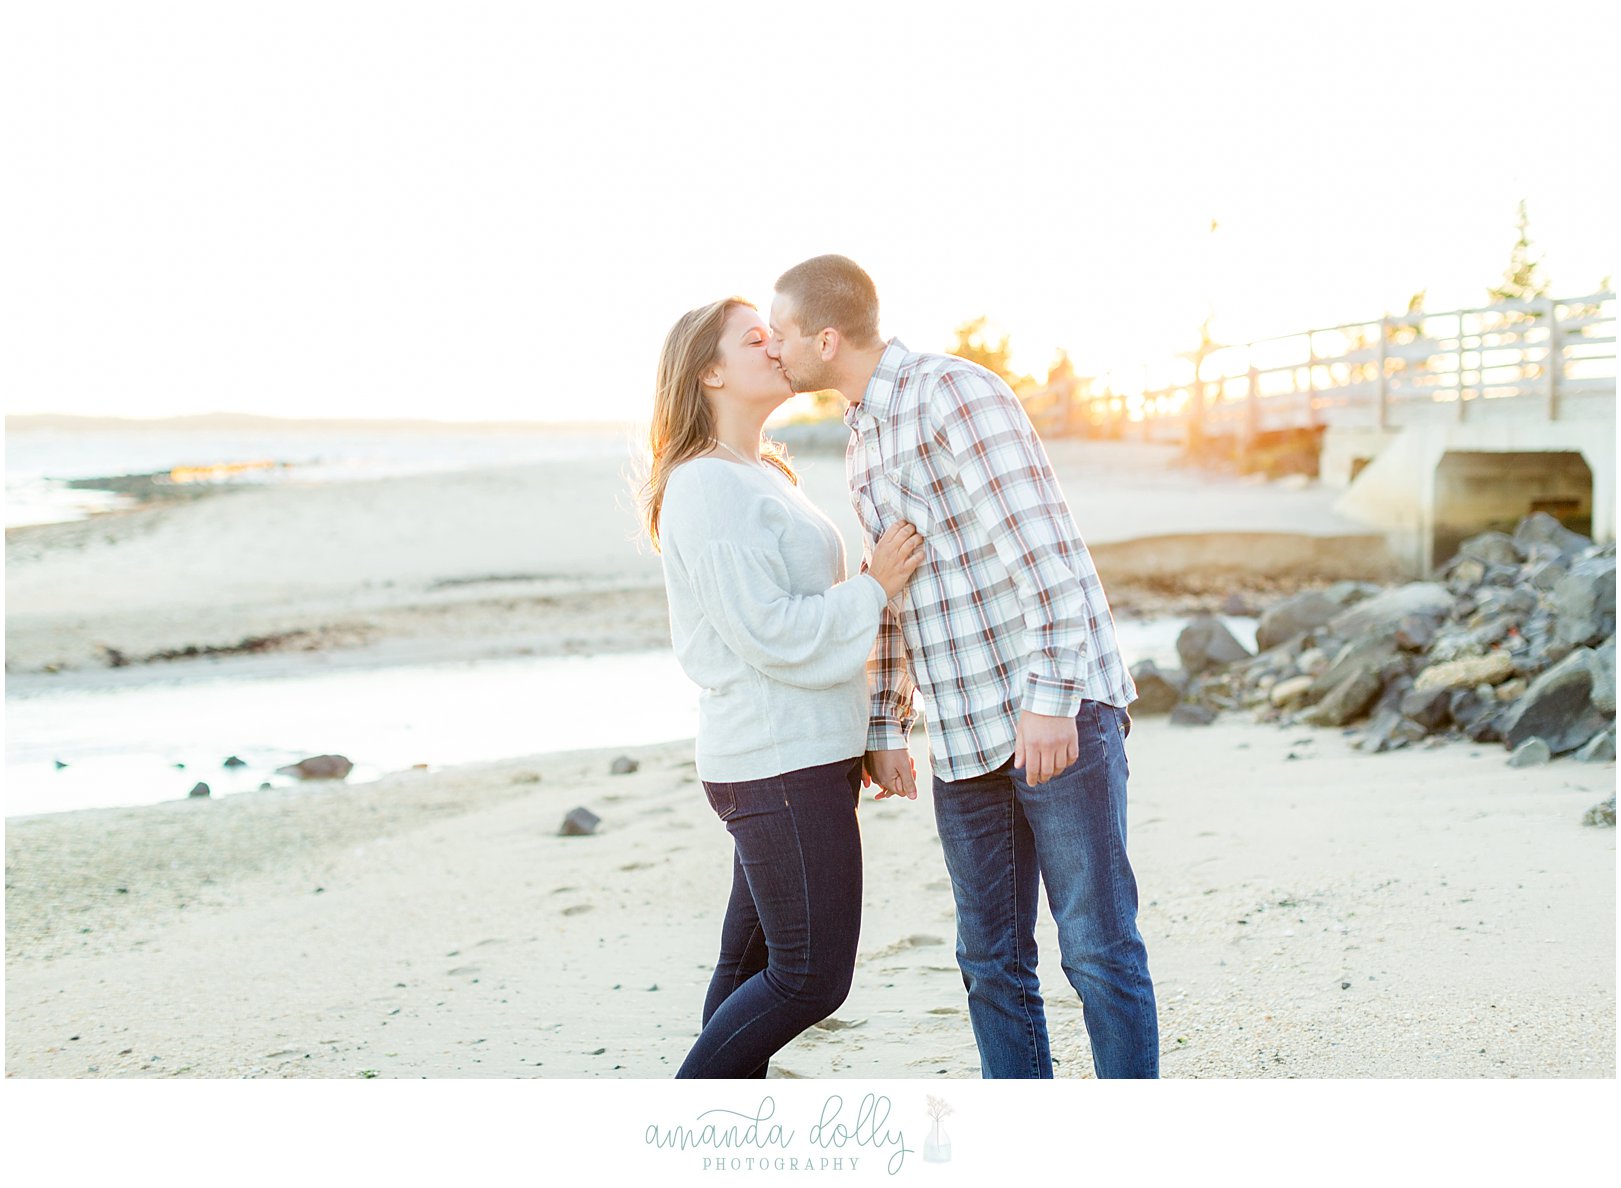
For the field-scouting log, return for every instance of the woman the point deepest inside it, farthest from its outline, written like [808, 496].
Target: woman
[765, 622]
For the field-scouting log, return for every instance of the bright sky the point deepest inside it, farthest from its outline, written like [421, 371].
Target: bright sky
[496, 211]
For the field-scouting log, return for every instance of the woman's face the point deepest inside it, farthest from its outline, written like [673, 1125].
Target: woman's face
[745, 371]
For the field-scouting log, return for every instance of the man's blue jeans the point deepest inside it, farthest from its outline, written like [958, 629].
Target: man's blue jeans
[1001, 836]
[788, 944]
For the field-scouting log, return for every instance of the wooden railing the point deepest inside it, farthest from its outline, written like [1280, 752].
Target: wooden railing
[1548, 359]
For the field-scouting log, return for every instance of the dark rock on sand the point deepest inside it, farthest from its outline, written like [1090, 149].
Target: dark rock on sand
[1533, 752]
[1206, 643]
[199, 790]
[1557, 708]
[233, 761]
[624, 765]
[1294, 616]
[1157, 691]
[1583, 601]
[1347, 701]
[580, 822]
[1430, 708]
[1383, 613]
[1602, 813]
[318, 767]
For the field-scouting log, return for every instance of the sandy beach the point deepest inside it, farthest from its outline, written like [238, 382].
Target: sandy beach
[1427, 914]
[1310, 911]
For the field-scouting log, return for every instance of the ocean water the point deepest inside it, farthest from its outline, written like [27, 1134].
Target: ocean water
[41, 462]
[150, 736]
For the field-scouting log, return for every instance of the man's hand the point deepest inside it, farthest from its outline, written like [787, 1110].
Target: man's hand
[893, 772]
[1043, 746]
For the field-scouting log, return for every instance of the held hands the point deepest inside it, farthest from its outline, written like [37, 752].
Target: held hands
[1043, 746]
[893, 772]
[895, 557]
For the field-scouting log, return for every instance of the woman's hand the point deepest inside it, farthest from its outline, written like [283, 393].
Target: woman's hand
[895, 557]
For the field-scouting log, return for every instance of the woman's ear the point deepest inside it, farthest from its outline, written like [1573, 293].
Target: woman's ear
[712, 378]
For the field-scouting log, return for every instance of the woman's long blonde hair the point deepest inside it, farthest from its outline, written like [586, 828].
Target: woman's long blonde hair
[683, 422]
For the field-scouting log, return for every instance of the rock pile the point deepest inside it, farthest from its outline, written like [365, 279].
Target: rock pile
[1512, 642]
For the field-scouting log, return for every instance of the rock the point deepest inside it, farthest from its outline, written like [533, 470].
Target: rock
[580, 822]
[1348, 593]
[1157, 692]
[524, 777]
[1602, 665]
[1189, 714]
[1515, 603]
[1598, 749]
[1287, 692]
[1366, 655]
[1294, 616]
[199, 790]
[1415, 632]
[1427, 707]
[1545, 575]
[1238, 605]
[1466, 674]
[1492, 548]
[1465, 574]
[1475, 715]
[1389, 730]
[1533, 752]
[266, 786]
[233, 761]
[1512, 690]
[1205, 643]
[623, 765]
[1583, 602]
[1348, 700]
[59, 764]
[1557, 708]
[1312, 661]
[1383, 613]
[1602, 813]
[318, 767]
[1539, 528]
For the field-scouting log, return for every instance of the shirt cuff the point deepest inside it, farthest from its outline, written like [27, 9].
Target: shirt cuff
[1051, 696]
[886, 734]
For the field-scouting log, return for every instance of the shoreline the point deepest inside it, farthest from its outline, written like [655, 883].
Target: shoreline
[1310, 911]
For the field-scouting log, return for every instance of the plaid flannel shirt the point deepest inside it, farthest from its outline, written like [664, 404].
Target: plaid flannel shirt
[1006, 613]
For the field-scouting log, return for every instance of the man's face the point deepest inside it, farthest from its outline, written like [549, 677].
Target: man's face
[799, 354]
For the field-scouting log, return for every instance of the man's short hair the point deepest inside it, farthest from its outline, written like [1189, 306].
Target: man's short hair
[833, 291]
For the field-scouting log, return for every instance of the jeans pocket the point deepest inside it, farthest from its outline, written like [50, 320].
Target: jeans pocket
[722, 798]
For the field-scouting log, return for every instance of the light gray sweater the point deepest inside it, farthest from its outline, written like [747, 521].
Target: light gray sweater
[764, 621]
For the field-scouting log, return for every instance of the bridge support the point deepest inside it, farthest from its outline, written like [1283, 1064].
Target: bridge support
[1428, 487]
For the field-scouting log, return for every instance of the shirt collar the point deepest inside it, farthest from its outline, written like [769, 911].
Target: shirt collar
[875, 401]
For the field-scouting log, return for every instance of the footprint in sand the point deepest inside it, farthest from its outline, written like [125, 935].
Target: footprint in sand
[578, 908]
[636, 866]
[832, 1024]
[911, 942]
[946, 1011]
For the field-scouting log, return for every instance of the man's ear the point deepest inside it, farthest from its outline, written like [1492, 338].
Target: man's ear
[828, 344]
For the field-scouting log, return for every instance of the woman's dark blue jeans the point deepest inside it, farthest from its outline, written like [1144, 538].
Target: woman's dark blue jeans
[788, 946]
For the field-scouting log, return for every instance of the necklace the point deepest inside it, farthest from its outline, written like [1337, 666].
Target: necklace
[746, 461]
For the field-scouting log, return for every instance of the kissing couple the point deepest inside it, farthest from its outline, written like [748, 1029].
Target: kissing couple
[975, 590]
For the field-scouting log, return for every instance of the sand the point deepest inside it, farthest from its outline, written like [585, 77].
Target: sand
[546, 559]
[1429, 914]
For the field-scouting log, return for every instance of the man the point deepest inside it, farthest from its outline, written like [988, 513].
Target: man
[1006, 631]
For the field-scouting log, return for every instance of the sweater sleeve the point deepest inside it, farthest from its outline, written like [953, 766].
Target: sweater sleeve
[740, 581]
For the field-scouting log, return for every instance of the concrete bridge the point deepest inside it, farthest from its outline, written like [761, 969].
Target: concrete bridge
[1433, 426]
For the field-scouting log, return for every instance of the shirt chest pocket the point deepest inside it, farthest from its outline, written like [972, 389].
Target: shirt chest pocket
[904, 493]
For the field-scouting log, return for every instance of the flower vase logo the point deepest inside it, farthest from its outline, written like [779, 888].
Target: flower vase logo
[937, 1147]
